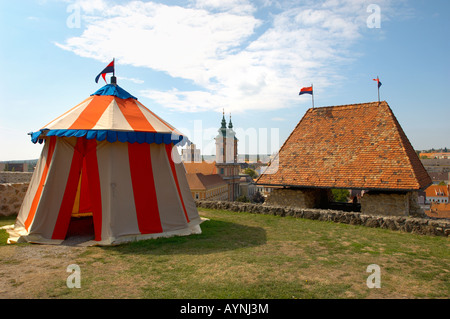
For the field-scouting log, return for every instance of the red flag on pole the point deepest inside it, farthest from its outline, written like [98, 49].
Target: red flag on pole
[109, 69]
[306, 90]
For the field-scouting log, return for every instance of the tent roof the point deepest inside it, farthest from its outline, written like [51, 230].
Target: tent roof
[114, 90]
[359, 146]
[113, 114]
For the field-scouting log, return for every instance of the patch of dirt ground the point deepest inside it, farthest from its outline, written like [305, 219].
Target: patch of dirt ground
[24, 268]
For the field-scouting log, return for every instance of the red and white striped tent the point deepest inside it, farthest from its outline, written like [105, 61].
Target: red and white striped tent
[111, 158]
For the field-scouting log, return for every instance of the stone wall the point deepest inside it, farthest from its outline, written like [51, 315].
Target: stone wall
[391, 204]
[11, 197]
[15, 177]
[295, 197]
[422, 226]
[13, 187]
[372, 203]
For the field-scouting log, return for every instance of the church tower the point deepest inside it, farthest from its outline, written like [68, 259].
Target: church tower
[226, 157]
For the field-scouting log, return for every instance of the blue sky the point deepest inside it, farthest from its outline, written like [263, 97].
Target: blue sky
[189, 60]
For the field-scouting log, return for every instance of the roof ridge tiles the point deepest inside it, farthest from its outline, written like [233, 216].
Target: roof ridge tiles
[350, 105]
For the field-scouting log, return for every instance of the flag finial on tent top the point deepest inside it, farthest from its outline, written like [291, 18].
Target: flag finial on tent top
[109, 69]
[113, 78]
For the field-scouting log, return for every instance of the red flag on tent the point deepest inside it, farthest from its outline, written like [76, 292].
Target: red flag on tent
[109, 69]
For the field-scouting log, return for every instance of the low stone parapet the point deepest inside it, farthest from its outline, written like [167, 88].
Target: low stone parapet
[299, 197]
[11, 197]
[422, 226]
[15, 177]
[391, 204]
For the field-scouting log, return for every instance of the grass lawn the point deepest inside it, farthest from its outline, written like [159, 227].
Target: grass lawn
[238, 255]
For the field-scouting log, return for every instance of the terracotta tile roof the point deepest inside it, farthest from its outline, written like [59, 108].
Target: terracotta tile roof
[203, 167]
[198, 181]
[359, 146]
[439, 210]
[437, 191]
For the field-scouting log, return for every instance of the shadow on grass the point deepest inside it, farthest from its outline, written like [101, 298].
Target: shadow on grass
[216, 236]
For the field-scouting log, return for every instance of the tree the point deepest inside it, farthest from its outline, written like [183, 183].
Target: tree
[258, 198]
[340, 195]
[242, 199]
[251, 172]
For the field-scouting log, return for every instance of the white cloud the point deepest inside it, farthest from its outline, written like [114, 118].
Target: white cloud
[235, 6]
[186, 101]
[237, 61]
[180, 41]
[134, 80]
[91, 6]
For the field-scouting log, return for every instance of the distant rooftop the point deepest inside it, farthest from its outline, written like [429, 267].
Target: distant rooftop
[439, 210]
[203, 167]
[198, 181]
[358, 146]
[437, 191]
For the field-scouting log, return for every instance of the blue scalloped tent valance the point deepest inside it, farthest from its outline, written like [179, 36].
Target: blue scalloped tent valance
[112, 136]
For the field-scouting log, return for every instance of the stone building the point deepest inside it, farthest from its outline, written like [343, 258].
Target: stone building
[358, 146]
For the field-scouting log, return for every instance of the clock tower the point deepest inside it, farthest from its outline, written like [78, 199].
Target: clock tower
[226, 158]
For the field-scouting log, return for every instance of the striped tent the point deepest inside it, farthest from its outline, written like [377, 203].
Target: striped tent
[112, 160]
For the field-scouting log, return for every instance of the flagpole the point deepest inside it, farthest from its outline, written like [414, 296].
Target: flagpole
[312, 95]
[378, 85]
[113, 78]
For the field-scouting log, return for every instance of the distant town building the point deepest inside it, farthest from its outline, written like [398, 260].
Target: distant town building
[439, 210]
[204, 182]
[435, 155]
[437, 194]
[226, 158]
[436, 164]
[206, 168]
[205, 175]
[18, 166]
[207, 187]
[440, 177]
[265, 191]
[191, 154]
[247, 186]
